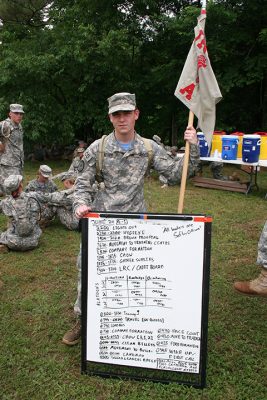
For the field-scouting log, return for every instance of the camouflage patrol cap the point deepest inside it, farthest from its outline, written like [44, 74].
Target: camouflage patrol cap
[16, 108]
[121, 102]
[45, 171]
[66, 176]
[12, 183]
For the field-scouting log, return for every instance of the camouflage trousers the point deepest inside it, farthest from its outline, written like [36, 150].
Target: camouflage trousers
[18, 243]
[6, 171]
[67, 218]
[262, 248]
[216, 168]
[47, 214]
[78, 304]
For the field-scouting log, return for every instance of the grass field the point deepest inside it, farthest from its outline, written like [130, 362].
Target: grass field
[40, 288]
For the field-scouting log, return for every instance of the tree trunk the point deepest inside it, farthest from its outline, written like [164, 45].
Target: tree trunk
[264, 104]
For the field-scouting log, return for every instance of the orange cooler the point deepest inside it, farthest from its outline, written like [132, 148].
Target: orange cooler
[263, 149]
[240, 143]
[216, 143]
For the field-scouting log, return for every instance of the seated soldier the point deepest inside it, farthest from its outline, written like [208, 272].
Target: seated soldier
[63, 201]
[23, 210]
[44, 184]
[74, 167]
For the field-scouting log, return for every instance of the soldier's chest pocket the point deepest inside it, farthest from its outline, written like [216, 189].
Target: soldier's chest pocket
[111, 170]
[132, 167]
[135, 167]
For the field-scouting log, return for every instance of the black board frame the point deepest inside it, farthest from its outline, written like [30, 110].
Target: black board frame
[107, 370]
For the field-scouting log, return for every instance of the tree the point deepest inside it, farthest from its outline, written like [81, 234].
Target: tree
[62, 59]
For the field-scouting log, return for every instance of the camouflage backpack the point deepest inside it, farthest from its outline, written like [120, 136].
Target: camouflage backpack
[101, 154]
[22, 214]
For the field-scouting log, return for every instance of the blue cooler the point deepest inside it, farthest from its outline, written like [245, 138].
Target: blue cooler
[203, 145]
[229, 147]
[251, 148]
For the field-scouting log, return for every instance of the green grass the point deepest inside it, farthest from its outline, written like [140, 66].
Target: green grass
[40, 288]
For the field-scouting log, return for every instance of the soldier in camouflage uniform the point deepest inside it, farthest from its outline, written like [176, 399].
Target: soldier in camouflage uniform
[23, 210]
[63, 202]
[43, 184]
[74, 167]
[11, 144]
[258, 286]
[126, 161]
[81, 145]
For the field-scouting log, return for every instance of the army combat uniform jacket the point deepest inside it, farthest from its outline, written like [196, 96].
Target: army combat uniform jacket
[12, 155]
[123, 174]
[11, 135]
[123, 180]
[36, 186]
[63, 201]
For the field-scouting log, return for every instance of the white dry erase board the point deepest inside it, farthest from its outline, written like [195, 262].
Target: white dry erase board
[145, 280]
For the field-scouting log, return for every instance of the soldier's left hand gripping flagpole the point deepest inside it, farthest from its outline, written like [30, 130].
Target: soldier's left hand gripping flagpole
[198, 90]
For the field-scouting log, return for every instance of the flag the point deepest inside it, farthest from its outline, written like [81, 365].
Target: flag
[197, 87]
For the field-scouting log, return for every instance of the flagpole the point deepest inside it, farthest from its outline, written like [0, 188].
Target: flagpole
[185, 167]
[186, 155]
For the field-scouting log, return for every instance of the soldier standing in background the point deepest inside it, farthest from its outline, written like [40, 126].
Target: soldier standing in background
[81, 145]
[44, 184]
[11, 144]
[216, 168]
[74, 167]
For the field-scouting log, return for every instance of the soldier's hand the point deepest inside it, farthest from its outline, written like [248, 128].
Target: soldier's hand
[190, 135]
[81, 211]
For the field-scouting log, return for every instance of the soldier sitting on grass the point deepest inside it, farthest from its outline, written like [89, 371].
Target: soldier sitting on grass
[44, 184]
[63, 202]
[23, 211]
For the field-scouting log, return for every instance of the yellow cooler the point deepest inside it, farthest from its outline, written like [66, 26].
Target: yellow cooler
[216, 143]
[263, 149]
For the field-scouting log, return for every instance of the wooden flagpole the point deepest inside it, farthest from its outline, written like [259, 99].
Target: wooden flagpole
[186, 155]
[185, 167]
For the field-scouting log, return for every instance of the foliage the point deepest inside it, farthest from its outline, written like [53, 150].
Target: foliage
[63, 59]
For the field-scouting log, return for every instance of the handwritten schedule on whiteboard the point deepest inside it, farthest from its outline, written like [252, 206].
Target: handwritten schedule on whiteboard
[145, 291]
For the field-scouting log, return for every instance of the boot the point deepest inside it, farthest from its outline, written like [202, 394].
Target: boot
[72, 337]
[257, 287]
[220, 177]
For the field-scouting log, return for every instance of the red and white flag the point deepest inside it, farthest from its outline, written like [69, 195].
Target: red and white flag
[197, 87]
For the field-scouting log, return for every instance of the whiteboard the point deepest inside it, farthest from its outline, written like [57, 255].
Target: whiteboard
[144, 290]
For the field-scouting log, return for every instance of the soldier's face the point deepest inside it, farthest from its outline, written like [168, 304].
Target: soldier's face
[16, 117]
[67, 184]
[124, 121]
[42, 178]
